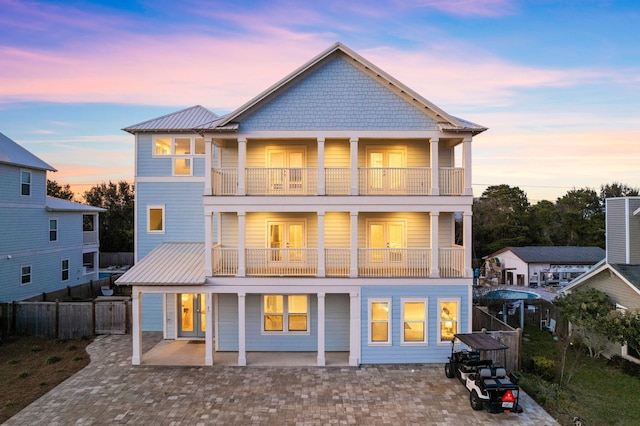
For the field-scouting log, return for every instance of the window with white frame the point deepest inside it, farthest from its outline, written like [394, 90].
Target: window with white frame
[414, 321]
[285, 313]
[53, 229]
[64, 267]
[448, 319]
[155, 219]
[25, 273]
[182, 149]
[25, 182]
[380, 321]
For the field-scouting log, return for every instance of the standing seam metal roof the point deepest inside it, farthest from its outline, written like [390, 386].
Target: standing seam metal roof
[186, 119]
[14, 154]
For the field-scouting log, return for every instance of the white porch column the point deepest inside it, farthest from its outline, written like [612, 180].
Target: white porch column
[208, 244]
[242, 166]
[321, 181]
[435, 245]
[321, 253]
[242, 350]
[467, 243]
[354, 166]
[136, 329]
[208, 166]
[435, 167]
[208, 334]
[353, 273]
[354, 329]
[242, 267]
[321, 300]
[466, 154]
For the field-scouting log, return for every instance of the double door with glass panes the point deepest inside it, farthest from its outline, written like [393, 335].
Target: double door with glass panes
[192, 309]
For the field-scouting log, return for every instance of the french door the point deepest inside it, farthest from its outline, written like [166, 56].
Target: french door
[192, 310]
[288, 235]
[387, 238]
[386, 170]
[286, 170]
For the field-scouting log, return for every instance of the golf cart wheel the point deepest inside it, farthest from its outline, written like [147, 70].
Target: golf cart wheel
[448, 370]
[476, 402]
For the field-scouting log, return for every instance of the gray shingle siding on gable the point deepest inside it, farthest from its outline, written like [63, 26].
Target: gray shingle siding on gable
[337, 96]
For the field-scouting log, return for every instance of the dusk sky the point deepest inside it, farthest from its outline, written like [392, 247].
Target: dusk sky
[556, 82]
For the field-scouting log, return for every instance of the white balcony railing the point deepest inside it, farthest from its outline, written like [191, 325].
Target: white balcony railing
[337, 181]
[282, 181]
[282, 262]
[394, 262]
[451, 181]
[224, 181]
[225, 261]
[451, 262]
[394, 181]
[337, 262]
[89, 237]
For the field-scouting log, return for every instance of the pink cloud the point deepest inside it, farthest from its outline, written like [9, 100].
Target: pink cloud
[486, 8]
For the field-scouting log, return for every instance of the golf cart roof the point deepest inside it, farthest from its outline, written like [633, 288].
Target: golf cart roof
[481, 342]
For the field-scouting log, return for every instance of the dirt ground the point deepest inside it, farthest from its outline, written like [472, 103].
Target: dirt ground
[32, 366]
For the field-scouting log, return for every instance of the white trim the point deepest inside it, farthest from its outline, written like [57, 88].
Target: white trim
[54, 219]
[169, 179]
[388, 301]
[164, 223]
[456, 318]
[26, 265]
[62, 269]
[30, 183]
[425, 321]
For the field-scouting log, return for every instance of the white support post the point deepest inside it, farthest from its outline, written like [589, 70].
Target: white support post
[242, 166]
[208, 166]
[321, 180]
[321, 310]
[467, 243]
[242, 349]
[136, 329]
[466, 154]
[354, 166]
[435, 245]
[208, 336]
[208, 244]
[353, 273]
[321, 251]
[435, 167]
[354, 329]
[242, 267]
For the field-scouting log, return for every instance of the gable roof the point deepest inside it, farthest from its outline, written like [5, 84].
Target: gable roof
[628, 274]
[446, 122]
[183, 120]
[59, 205]
[16, 155]
[556, 254]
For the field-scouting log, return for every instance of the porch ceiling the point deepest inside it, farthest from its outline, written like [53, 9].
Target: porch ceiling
[168, 264]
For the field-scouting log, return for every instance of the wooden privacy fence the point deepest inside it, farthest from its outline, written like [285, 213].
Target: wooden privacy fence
[66, 320]
[502, 332]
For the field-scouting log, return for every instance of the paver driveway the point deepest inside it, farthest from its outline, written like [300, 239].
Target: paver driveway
[112, 391]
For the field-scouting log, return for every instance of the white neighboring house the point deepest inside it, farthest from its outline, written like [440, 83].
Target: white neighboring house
[534, 266]
[46, 243]
[618, 275]
[317, 217]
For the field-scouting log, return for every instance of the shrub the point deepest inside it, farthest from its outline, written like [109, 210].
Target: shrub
[53, 359]
[35, 348]
[544, 367]
[24, 374]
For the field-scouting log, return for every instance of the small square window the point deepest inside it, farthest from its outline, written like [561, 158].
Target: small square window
[182, 166]
[53, 230]
[155, 219]
[25, 274]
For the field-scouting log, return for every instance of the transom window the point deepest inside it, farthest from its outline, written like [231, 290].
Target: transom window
[285, 313]
[53, 229]
[25, 272]
[380, 321]
[448, 319]
[182, 149]
[414, 321]
[25, 182]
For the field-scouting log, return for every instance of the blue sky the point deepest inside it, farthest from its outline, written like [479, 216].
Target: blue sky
[556, 82]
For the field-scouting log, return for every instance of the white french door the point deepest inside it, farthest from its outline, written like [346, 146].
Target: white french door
[288, 240]
[387, 238]
[386, 170]
[286, 169]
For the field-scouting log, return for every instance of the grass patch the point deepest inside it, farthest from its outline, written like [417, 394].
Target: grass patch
[31, 366]
[599, 393]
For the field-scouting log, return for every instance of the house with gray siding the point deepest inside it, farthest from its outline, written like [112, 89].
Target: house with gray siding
[618, 275]
[318, 217]
[47, 244]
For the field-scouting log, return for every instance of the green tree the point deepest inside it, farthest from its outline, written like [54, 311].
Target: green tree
[116, 224]
[543, 224]
[616, 189]
[54, 189]
[500, 219]
[581, 218]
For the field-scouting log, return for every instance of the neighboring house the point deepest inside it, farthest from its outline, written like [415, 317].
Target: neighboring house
[46, 244]
[535, 266]
[618, 275]
[317, 217]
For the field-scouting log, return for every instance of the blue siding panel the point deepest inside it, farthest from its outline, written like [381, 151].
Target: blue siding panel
[227, 322]
[337, 96]
[336, 327]
[152, 312]
[433, 352]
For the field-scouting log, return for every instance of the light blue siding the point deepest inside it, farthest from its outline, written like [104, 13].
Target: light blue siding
[337, 96]
[184, 213]
[336, 312]
[10, 189]
[433, 352]
[152, 312]
[227, 322]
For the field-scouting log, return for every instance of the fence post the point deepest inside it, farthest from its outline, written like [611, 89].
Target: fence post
[14, 315]
[57, 326]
